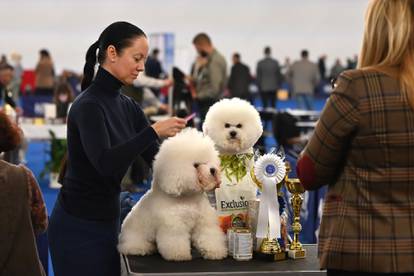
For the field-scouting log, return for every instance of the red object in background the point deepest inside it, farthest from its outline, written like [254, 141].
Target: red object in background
[164, 90]
[28, 82]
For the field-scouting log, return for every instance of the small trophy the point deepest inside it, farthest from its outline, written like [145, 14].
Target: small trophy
[294, 186]
[269, 170]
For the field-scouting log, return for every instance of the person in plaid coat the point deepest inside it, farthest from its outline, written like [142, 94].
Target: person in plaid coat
[363, 149]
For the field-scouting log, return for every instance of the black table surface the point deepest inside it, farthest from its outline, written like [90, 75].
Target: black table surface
[155, 265]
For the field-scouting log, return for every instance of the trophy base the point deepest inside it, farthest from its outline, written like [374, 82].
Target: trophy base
[280, 256]
[297, 254]
[272, 257]
[263, 256]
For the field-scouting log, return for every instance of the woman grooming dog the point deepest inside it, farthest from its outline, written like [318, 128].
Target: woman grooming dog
[106, 132]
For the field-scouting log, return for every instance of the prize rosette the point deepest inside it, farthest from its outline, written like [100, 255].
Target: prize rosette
[269, 170]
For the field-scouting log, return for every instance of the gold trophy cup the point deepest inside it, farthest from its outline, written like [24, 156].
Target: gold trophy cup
[296, 189]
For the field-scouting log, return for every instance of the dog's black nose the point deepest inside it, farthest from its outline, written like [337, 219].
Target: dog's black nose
[233, 133]
[213, 171]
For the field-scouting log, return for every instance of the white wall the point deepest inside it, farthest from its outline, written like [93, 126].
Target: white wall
[68, 27]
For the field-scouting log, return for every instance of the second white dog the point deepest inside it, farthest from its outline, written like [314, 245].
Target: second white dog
[175, 212]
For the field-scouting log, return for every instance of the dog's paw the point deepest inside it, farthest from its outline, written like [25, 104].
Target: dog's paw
[215, 254]
[136, 249]
[176, 256]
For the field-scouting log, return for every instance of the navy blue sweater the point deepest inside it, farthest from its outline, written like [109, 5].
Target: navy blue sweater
[106, 132]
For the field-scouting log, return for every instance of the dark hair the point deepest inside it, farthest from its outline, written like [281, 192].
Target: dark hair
[304, 53]
[201, 38]
[267, 50]
[6, 66]
[118, 34]
[155, 51]
[44, 53]
[63, 87]
[10, 133]
[236, 55]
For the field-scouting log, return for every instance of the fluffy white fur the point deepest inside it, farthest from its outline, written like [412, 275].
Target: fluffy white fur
[175, 212]
[242, 119]
[235, 115]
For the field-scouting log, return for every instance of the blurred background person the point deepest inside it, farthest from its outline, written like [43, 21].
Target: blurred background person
[351, 63]
[3, 59]
[240, 79]
[16, 62]
[63, 97]
[336, 69]
[153, 68]
[73, 79]
[142, 91]
[209, 74]
[322, 67]
[45, 74]
[304, 77]
[7, 92]
[23, 213]
[269, 78]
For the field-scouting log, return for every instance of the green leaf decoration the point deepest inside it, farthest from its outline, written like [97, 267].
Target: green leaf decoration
[234, 166]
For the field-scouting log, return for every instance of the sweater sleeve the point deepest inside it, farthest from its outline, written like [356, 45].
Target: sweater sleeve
[37, 205]
[149, 154]
[324, 155]
[109, 160]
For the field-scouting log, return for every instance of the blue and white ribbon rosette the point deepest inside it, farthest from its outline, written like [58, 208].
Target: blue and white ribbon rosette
[269, 170]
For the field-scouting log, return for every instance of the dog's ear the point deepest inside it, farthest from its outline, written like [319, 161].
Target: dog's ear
[172, 183]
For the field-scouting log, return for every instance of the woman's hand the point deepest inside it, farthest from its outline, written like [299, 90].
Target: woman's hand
[169, 127]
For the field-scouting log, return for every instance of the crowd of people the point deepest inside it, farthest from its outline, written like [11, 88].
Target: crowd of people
[362, 148]
[210, 76]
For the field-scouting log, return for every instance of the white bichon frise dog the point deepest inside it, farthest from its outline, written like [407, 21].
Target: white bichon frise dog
[235, 126]
[175, 212]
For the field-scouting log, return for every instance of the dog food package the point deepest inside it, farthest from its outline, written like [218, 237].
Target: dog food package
[232, 206]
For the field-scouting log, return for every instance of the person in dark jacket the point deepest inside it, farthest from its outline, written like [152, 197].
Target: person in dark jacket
[106, 131]
[240, 79]
[153, 66]
[269, 78]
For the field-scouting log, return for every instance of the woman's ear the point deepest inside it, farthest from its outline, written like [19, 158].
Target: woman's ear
[111, 53]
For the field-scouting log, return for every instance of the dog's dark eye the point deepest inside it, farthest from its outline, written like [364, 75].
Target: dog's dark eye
[239, 125]
[196, 165]
[226, 125]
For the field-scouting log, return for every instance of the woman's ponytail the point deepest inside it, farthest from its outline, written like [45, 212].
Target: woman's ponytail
[118, 34]
[89, 68]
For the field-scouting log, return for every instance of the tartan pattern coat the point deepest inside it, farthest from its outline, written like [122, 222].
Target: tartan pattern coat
[363, 149]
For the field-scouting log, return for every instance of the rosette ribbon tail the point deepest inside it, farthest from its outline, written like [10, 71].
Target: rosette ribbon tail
[268, 224]
[269, 170]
